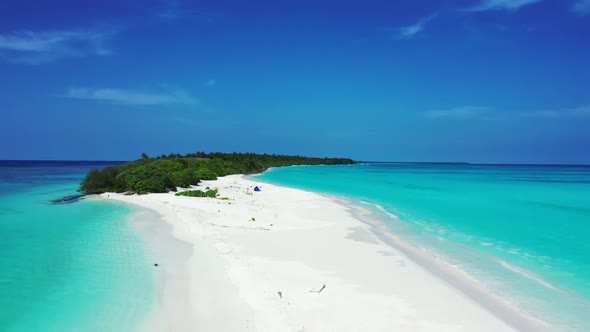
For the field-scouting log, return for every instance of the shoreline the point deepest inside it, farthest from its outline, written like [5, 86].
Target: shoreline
[259, 272]
[455, 277]
[181, 274]
[169, 281]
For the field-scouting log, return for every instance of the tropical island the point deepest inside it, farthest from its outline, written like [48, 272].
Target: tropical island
[168, 172]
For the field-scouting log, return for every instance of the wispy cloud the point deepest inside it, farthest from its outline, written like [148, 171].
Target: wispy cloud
[407, 32]
[506, 5]
[174, 10]
[30, 47]
[580, 111]
[171, 11]
[581, 7]
[463, 112]
[206, 123]
[131, 97]
[210, 82]
[486, 113]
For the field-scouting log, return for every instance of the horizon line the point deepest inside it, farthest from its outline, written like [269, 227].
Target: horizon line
[356, 161]
[467, 163]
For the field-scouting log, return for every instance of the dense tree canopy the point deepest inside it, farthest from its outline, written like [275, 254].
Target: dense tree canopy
[166, 173]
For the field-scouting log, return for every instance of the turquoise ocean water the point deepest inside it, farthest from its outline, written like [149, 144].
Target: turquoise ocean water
[67, 267]
[522, 231]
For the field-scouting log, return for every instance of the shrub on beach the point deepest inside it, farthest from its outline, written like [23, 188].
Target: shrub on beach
[198, 193]
[185, 178]
[146, 179]
[204, 173]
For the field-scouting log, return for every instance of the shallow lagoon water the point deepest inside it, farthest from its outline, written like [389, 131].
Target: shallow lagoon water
[522, 231]
[67, 267]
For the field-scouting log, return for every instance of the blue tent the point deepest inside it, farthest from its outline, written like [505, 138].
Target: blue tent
[256, 188]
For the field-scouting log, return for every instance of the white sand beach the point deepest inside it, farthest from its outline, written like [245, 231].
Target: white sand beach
[253, 261]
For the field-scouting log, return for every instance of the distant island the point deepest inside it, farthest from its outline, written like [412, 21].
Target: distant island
[167, 172]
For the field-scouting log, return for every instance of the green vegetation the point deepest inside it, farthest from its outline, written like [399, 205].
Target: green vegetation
[198, 193]
[167, 172]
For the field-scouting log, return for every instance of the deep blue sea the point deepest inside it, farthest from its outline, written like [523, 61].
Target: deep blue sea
[523, 231]
[67, 267]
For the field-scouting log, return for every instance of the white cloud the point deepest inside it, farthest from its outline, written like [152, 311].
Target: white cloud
[463, 112]
[170, 12]
[410, 31]
[210, 82]
[507, 5]
[580, 111]
[130, 97]
[206, 123]
[40, 47]
[474, 112]
[581, 7]
[175, 10]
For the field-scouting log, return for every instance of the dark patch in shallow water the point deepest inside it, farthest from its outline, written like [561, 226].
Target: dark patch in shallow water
[573, 209]
[68, 199]
[582, 181]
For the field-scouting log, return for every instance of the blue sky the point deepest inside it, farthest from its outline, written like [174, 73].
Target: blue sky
[502, 81]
